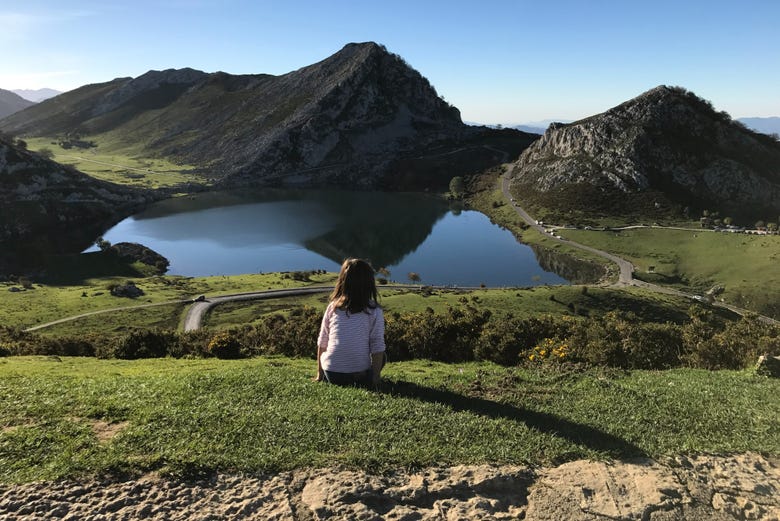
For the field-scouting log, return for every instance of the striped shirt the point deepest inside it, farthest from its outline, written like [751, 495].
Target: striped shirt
[349, 339]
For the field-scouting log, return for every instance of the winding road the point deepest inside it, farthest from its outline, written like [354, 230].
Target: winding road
[626, 277]
[194, 318]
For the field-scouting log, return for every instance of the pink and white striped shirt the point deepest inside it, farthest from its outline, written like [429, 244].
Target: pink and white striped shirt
[349, 339]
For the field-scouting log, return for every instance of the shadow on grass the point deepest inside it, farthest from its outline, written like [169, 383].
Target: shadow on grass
[577, 433]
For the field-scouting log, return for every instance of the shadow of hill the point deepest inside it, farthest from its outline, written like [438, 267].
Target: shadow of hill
[75, 269]
[578, 433]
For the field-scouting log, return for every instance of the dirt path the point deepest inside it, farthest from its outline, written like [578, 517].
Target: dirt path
[703, 487]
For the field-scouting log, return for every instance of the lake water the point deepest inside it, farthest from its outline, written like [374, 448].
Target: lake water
[227, 233]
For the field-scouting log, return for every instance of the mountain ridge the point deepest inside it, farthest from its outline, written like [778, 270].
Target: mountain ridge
[10, 103]
[665, 147]
[361, 117]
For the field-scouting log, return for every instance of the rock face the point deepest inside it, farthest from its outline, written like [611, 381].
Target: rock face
[362, 117]
[736, 487]
[667, 146]
[47, 206]
[11, 102]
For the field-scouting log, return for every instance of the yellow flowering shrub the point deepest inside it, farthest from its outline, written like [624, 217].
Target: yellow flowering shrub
[553, 349]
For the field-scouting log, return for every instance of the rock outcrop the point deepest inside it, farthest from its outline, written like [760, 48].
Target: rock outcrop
[45, 206]
[362, 117]
[667, 146]
[684, 488]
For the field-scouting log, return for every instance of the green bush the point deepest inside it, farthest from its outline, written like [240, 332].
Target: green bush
[459, 334]
[191, 344]
[225, 345]
[621, 340]
[734, 346]
[142, 344]
[509, 340]
[448, 337]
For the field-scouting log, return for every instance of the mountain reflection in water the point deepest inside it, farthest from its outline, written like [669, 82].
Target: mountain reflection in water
[286, 230]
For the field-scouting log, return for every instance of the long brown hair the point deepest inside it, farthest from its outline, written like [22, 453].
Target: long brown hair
[355, 289]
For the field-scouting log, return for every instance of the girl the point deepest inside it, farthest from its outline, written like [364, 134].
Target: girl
[351, 344]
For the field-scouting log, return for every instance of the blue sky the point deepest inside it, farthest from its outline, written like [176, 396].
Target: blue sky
[498, 61]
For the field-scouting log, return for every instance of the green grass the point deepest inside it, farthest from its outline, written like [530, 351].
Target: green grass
[110, 162]
[745, 265]
[72, 287]
[186, 416]
[69, 293]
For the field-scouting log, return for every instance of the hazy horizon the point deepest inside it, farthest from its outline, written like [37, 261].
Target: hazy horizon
[506, 62]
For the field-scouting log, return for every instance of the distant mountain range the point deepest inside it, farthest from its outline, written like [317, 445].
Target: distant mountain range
[539, 127]
[764, 125]
[665, 148]
[36, 95]
[11, 102]
[360, 118]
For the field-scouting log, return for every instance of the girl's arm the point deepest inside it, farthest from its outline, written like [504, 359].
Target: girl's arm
[377, 363]
[318, 378]
[376, 344]
[322, 341]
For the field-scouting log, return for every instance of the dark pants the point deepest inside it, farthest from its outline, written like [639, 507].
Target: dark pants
[361, 379]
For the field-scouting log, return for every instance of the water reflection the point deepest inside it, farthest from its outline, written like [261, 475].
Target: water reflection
[232, 233]
[572, 269]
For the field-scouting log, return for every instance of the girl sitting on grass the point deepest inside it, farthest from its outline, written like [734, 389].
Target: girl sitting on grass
[351, 344]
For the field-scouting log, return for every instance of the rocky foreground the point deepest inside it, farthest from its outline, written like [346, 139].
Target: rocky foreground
[744, 486]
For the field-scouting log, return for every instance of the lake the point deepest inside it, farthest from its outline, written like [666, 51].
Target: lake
[228, 233]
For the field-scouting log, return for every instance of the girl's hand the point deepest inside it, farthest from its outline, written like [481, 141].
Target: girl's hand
[317, 378]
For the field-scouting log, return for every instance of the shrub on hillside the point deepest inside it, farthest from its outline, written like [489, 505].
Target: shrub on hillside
[225, 345]
[191, 344]
[293, 335]
[621, 340]
[734, 346]
[447, 337]
[142, 344]
[21, 343]
[509, 340]
[459, 334]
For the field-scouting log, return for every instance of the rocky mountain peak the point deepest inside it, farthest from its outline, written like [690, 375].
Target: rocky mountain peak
[668, 142]
[360, 117]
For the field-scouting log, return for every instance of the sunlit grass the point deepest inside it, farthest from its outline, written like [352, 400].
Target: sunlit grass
[109, 162]
[265, 414]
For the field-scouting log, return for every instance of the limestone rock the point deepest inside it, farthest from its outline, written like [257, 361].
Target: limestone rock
[668, 144]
